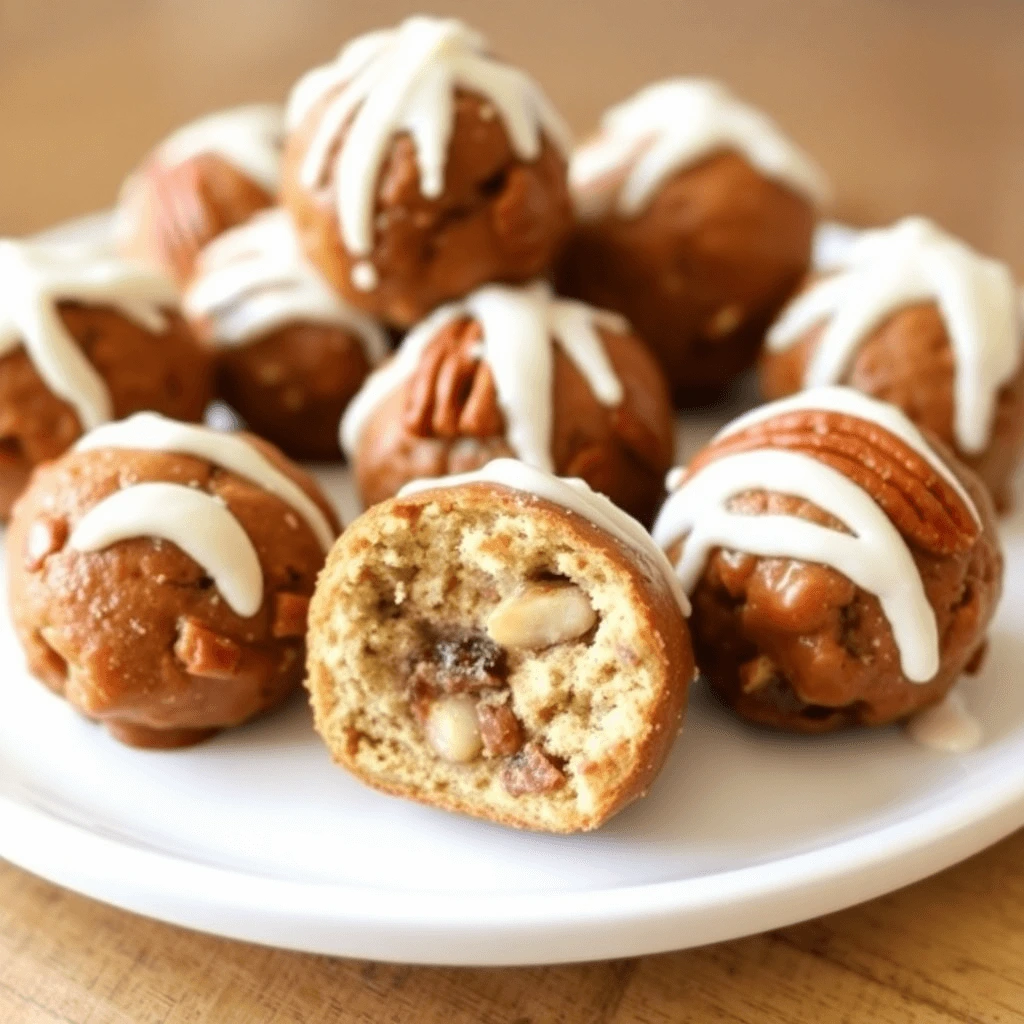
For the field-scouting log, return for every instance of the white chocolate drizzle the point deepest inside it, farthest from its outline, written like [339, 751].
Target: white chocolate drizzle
[883, 271]
[250, 138]
[403, 80]
[35, 277]
[947, 727]
[196, 522]
[576, 496]
[520, 328]
[672, 125]
[873, 554]
[147, 431]
[254, 278]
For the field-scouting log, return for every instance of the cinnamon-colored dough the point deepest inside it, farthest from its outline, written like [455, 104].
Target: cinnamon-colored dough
[498, 219]
[700, 273]
[442, 422]
[169, 373]
[167, 214]
[798, 646]
[907, 360]
[116, 631]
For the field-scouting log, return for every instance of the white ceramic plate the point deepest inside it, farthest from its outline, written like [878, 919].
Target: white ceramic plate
[257, 836]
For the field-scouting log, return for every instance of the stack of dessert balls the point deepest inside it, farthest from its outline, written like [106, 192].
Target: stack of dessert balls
[410, 266]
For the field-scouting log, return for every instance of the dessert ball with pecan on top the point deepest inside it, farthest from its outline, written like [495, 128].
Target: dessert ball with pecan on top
[843, 567]
[419, 166]
[695, 220]
[504, 644]
[913, 316]
[160, 576]
[206, 177]
[290, 353]
[516, 371]
[86, 337]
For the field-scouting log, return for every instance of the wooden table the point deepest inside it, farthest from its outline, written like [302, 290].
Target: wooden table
[911, 106]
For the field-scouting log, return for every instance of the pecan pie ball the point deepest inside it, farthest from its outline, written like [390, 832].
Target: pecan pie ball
[505, 645]
[522, 373]
[695, 220]
[205, 178]
[407, 198]
[843, 567]
[160, 577]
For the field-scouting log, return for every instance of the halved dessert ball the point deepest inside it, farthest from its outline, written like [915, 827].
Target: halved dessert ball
[160, 576]
[504, 644]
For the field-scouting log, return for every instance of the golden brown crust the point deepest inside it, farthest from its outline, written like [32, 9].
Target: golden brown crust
[116, 632]
[173, 212]
[798, 646]
[622, 452]
[499, 218]
[169, 373]
[662, 622]
[700, 273]
[908, 361]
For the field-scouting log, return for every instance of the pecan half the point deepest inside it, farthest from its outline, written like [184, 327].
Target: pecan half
[452, 393]
[921, 503]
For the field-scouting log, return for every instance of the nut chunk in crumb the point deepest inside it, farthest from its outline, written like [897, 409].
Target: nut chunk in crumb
[497, 687]
[201, 547]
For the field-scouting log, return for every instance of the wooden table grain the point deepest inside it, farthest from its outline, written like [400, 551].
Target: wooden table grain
[911, 105]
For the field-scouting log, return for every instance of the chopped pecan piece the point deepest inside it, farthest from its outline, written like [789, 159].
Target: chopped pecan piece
[205, 653]
[499, 729]
[290, 611]
[531, 771]
[460, 662]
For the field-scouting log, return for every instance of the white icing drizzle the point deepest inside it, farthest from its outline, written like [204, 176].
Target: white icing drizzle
[947, 727]
[675, 124]
[254, 278]
[851, 402]
[873, 555]
[521, 326]
[196, 522]
[403, 80]
[250, 138]
[574, 495]
[883, 271]
[35, 277]
[147, 431]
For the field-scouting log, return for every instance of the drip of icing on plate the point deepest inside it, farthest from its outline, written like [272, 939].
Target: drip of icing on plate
[404, 80]
[254, 279]
[35, 277]
[874, 555]
[880, 272]
[520, 328]
[574, 495]
[947, 727]
[670, 126]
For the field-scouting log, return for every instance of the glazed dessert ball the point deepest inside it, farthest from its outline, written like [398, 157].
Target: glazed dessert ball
[160, 576]
[205, 178]
[516, 372]
[913, 316]
[85, 337]
[843, 566]
[418, 167]
[695, 220]
[290, 353]
[503, 644]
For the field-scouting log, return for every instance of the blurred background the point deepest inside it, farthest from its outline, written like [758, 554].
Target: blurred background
[910, 105]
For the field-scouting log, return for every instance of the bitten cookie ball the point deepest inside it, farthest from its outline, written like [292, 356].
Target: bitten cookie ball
[516, 371]
[504, 644]
[205, 178]
[695, 220]
[418, 167]
[290, 353]
[86, 337]
[843, 567]
[160, 576]
[911, 315]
